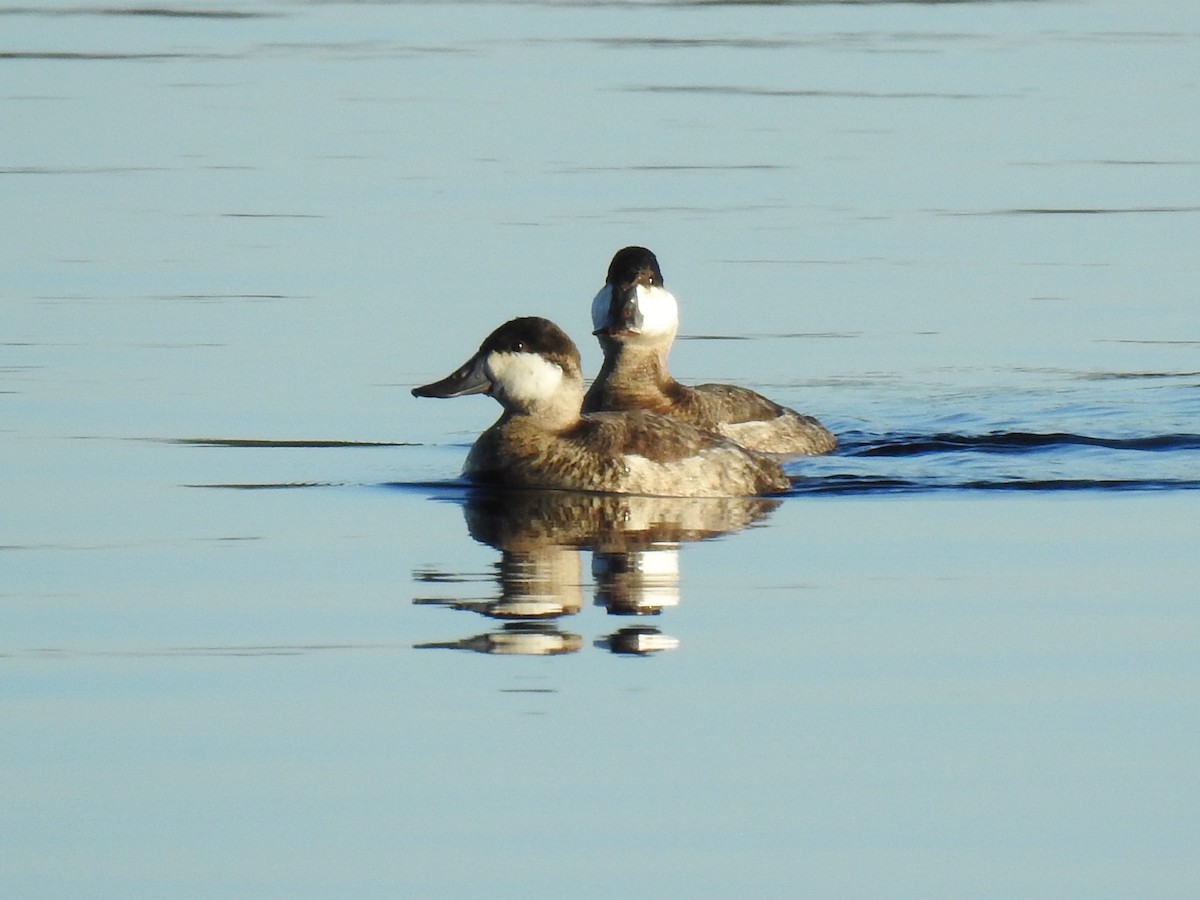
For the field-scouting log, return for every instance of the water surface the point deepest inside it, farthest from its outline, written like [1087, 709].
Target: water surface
[257, 639]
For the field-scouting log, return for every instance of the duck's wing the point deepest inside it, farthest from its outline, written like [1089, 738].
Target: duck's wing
[733, 404]
[658, 438]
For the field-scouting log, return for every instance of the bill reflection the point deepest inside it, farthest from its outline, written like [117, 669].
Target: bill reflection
[515, 639]
[635, 545]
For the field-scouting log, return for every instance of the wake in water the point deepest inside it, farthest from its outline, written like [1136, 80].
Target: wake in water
[1017, 460]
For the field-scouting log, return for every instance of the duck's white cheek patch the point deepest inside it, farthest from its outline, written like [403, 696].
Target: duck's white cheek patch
[660, 312]
[524, 377]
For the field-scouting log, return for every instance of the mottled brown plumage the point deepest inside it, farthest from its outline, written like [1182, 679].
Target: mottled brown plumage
[532, 368]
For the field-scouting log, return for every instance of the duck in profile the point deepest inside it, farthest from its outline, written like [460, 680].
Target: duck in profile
[635, 319]
[542, 441]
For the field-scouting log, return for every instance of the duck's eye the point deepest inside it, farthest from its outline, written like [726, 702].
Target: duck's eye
[518, 346]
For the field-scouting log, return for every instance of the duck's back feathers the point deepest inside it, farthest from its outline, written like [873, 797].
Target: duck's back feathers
[732, 404]
[760, 424]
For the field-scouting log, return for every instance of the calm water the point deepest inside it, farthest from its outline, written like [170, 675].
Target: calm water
[256, 639]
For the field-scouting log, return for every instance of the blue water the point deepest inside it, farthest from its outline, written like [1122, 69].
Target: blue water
[258, 639]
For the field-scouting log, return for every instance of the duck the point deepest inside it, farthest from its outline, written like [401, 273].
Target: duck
[635, 318]
[543, 440]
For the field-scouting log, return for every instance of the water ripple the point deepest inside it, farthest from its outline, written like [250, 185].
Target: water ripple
[1015, 442]
[275, 443]
[747, 91]
[866, 484]
[1070, 211]
[138, 11]
[1001, 461]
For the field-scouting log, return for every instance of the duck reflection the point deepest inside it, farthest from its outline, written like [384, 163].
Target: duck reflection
[635, 544]
[639, 640]
[542, 583]
[515, 639]
[637, 582]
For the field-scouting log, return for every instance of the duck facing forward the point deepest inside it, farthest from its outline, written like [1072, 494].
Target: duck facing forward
[542, 441]
[635, 319]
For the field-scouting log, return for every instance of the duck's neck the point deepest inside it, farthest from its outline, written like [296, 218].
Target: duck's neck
[561, 410]
[632, 376]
